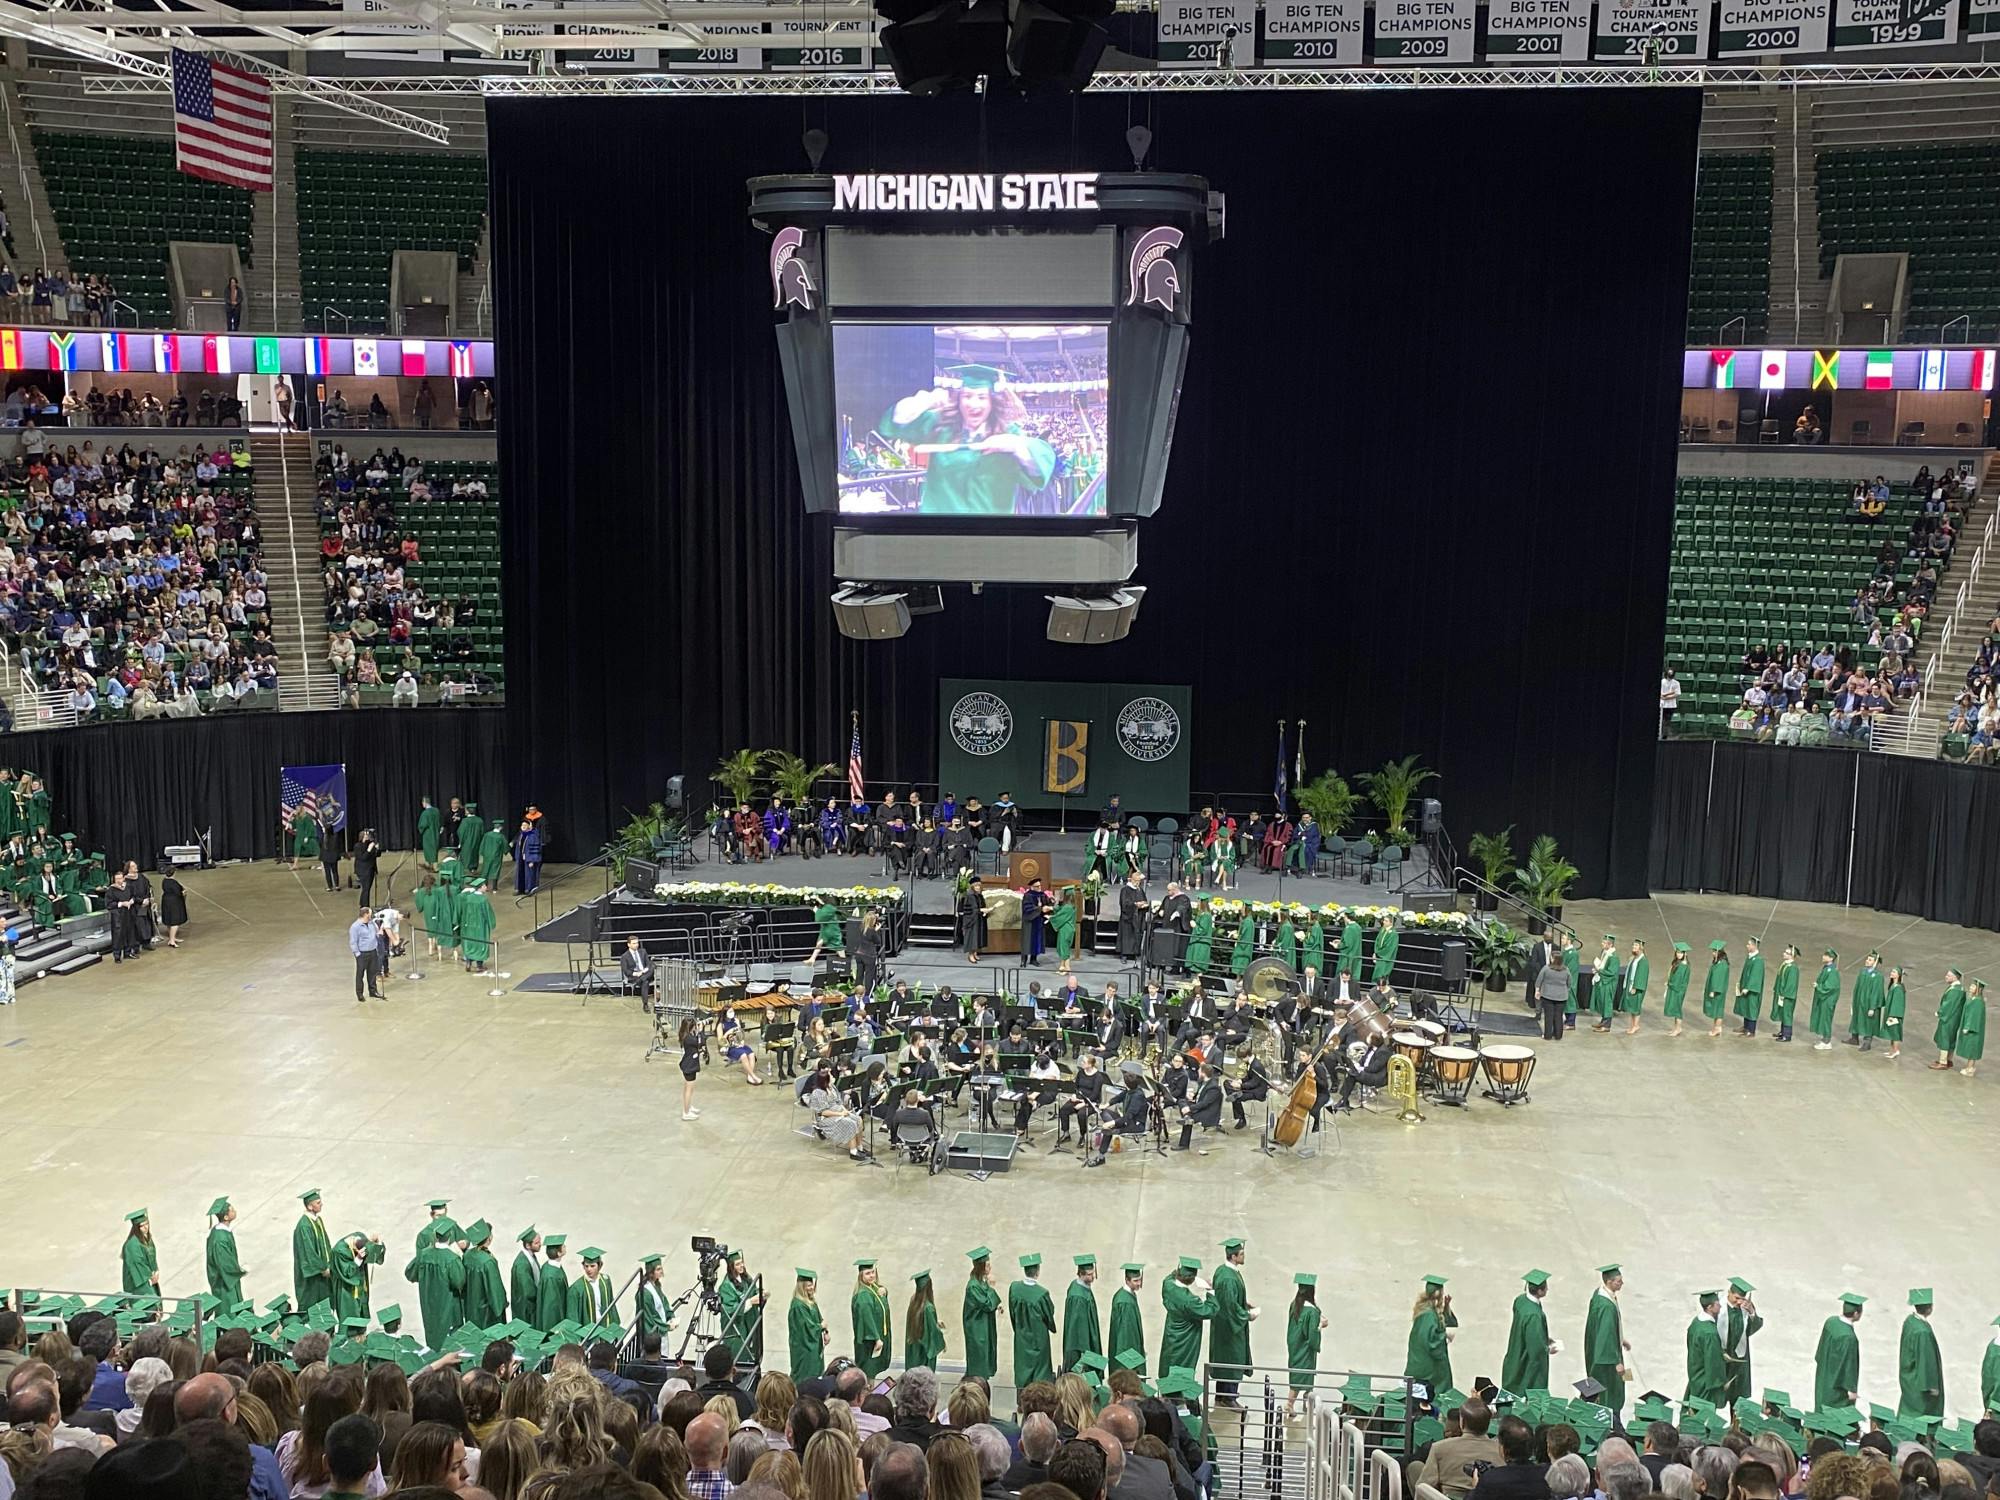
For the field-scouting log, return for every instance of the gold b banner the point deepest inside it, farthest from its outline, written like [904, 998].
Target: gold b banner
[1065, 755]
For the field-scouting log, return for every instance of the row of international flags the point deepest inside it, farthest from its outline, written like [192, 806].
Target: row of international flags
[221, 354]
[1857, 369]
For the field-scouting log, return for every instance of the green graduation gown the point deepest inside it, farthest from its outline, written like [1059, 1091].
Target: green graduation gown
[1031, 1312]
[1785, 992]
[444, 905]
[1750, 988]
[1427, 1359]
[1707, 1379]
[1604, 1347]
[923, 1344]
[868, 1309]
[492, 855]
[350, 1279]
[1836, 1364]
[1972, 1029]
[1864, 1008]
[744, 1325]
[1951, 1006]
[1919, 1371]
[524, 1286]
[1825, 1001]
[311, 1260]
[1604, 987]
[1350, 950]
[1387, 941]
[1246, 944]
[440, 1278]
[1302, 1334]
[225, 1271]
[1081, 1332]
[979, 1317]
[451, 875]
[805, 1340]
[1526, 1366]
[831, 936]
[305, 835]
[1180, 1338]
[430, 824]
[475, 926]
[38, 812]
[1989, 1379]
[1229, 1330]
[471, 830]
[1127, 1330]
[653, 1310]
[1895, 1005]
[485, 1293]
[1677, 988]
[1287, 946]
[1632, 999]
[1062, 929]
[1312, 954]
[1736, 1336]
[1201, 942]
[1715, 989]
[1573, 961]
[551, 1297]
[587, 1299]
[139, 1263]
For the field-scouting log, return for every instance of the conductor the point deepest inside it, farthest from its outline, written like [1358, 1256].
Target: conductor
[635, 970]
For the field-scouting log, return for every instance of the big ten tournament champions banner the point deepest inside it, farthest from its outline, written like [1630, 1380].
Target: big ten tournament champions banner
[1065, 744]
[318, 791]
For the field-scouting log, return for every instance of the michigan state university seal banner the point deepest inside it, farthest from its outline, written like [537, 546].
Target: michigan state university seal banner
[1051, 744]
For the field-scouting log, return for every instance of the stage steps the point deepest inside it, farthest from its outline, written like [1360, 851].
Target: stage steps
[80, 962]
[933, 929]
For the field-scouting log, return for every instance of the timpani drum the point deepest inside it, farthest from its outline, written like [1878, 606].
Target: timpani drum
[1454, 1069]
[1416, 1047]
[1508, 1069]
[1431, 1029]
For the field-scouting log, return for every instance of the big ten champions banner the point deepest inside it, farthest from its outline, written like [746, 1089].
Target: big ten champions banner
[1073, 744]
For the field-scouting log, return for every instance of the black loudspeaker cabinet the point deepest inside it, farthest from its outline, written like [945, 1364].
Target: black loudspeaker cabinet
[1452, 955]
[1164, 948]
[1433, 816]
[676, 799]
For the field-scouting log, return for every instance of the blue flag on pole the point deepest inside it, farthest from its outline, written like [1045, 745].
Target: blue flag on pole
[320, 790]
[1279, 791]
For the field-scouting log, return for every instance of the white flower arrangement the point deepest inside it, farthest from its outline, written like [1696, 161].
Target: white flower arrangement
[1333, 912]
[768, 893]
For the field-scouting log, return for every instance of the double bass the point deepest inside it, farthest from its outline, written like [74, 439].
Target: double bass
[1366, 1021]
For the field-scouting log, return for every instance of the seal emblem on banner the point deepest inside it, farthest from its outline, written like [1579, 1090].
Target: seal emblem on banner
[1149, 271]
[981, 724]
[791, 282]
[1148, 729]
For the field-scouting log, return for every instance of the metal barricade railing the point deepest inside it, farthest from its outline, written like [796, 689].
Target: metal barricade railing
[1334, 1436]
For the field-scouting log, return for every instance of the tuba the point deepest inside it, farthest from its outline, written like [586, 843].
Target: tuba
[1403, 1088]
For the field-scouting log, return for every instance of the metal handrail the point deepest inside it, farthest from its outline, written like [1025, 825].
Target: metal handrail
[1465, 880]
[1944, 334]
[27, 193]
[118, 302]
[485, 303]
[346, 322]
[1741, 325]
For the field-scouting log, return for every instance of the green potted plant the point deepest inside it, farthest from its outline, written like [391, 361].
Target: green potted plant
[738, 775]
[1391, 788]
[1494, 854]
[792, 778]
[1330, 800]
[1498, 953]
[1544, 880]
[645, 835]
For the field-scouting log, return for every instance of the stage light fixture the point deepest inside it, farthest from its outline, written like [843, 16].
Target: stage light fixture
[1096, 619]
[1022, 45]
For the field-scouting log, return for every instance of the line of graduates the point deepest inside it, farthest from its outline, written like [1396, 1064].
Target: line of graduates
[461, 835]
[1878, 1003]
[1298, 940]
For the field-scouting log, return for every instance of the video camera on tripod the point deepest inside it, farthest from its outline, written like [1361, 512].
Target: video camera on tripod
[714, 1256]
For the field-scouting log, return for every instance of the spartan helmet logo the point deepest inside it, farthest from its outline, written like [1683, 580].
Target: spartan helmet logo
[1151, 268]
[791, 282]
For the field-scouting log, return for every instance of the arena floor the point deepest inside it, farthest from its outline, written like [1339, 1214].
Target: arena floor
[240, 1064]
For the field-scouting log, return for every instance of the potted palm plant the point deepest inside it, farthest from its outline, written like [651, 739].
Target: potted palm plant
[1498, 953]
[1391, 788]
[645, 835]
[738, 774]
[1494, 854]
[1330, 800]
[792, 778]
[1544, 880]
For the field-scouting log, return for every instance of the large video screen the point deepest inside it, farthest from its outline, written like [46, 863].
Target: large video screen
[981, 420]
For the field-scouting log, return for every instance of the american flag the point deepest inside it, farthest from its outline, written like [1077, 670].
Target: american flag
[320, 791]
[222, 122]
[295, 798]
[854, 762]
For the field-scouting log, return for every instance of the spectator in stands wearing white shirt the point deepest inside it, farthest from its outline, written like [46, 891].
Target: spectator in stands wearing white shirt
[1670, 700]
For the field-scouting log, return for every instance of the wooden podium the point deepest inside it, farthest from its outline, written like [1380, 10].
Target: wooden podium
[1024, 865]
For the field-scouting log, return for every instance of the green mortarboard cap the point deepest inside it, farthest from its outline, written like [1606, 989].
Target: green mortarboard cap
[804, 1275]
[280, 1304]
[438, 1203]
[1610, 1270]
[1304, 1278]
[1708, 1296]
[1820, 1422]
[321, 1317]
[920, 1276]
[652, 1260]
[410, 1361]
[1779, 1399]
[1718, 945]
[135, 1216]
[1741, 1287]
[308, 1195]
[1536, 1278]
[219, 1207]
[1129, 1359]
[390, 1314]
[554, 1241]
[1652, 1411]
[479, 1231]
[1429, 1430]
[1680, 947]
[1875, 954]
[866, 1263]
[1133, 1267]
[1694, 1406]
[1610, 937]
[591, 1252]
[978, 1253]
[974, 377]
[444, 1227]
[1435, 1280]
[1830, 953]
[1030, 1261]
[1091, 1362]
[1234, 1242]
[1852, 1299]
[1881, 1413]
[1084, 1262]
[1180, 1381]
[1920, 1296]
[346, 1354]
[525, 1235]
[1190, 1263]
[356, 1325]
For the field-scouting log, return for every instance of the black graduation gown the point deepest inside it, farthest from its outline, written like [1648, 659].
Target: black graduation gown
[173, 902]
[1132, 910]
[971, 921]
[142, 911]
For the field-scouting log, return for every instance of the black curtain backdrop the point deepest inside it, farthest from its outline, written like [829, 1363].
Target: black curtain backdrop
[1760, 820]
[132, 789]
[1421, 486]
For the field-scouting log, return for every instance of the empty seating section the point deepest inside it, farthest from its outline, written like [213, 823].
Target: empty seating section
[1941, 204]
[460, 559]
[1732, 246]
[1763, 561]
[119, 199]
[356, 209]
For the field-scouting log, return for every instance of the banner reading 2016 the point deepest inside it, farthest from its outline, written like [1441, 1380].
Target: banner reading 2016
[1754, 28]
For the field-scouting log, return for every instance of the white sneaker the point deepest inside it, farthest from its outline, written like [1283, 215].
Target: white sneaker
[690, 1114]
[1822, 1046]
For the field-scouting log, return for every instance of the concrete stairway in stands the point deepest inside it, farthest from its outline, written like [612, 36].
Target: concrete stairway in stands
[475, 297]
[1799, 294]
[1981, 596]
[282, 464]
[273, 283]
[29, 218]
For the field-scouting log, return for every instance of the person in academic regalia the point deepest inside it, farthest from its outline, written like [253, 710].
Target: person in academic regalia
[1081, 1332]
[1303, 1328]
[1031, 1313]
[173, 907]
[1950, 1012]
[1715, 989]
[305, 837]
[1525, 1368]
[1572, 959]
[1193, 859]
[1102, 845]
[805, 1330]
[1895, 1006]
[312, 1257]
[1201, 941]
[1604, 1343]
[139, 1260]
[439, 1275]
[1229, 1329]
[1127, 1332]
[1707, 1377]
[37, 806]
[1837, 1360]
[923, 1337]
[1864, 1014]
[1188, 1303]
[655, 1308]
[527, 858]
[524, 1276]
[1222, 863]
[1785, 992]
[979, 1317]
[347, 1268]
[1350, 951]
[1062, 930]
[742, 1299]
[1312, 952]
[1750, 987]
[475, 928]
[831, 937]
[485, 1293]
[1134, 908]
[1738, 1326]
[1919, 1371]
[552, 1288]
[1632, 993]
[1825, 1001]
[869, 1310]
[1427, 1359]
[430, 827]
[1387, 941]
[1989, 1377]
[592, 1299]
[1604, 984]
[471, 835]
[1034, 904]
[225, 1269]
[1246, 944]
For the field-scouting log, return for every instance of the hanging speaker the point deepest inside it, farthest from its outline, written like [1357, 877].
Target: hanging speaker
[676, 799]
[1433, 816]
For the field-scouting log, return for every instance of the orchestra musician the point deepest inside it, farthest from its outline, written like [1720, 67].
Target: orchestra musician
[1205, 1109]
[1152, 1019]
[959, 1053]
[1110, 1027]
[1043, 1069]
[1088, 1093]
[830, 1110]
[1255, 1087]
[1234, 1029]
[1371, 1072]
[635, 969]
[911, 1115]
[1130, 1114]
[989, 1065]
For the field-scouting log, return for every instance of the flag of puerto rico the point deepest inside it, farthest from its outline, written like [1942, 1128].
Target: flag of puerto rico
[461, 358]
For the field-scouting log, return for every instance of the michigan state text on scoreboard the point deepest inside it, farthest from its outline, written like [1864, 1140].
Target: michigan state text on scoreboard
[1066, 744]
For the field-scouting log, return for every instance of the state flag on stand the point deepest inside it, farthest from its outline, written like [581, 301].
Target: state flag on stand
[10, 348]
[366, 360]
[62, 351]
[116, 356]
[1880, 371]
[413, 358]
[319, 791]
[319, 356]
[461, 358]
[215, 355]
[166, 353]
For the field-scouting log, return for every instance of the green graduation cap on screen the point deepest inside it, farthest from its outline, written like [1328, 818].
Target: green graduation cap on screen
[974, 377]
